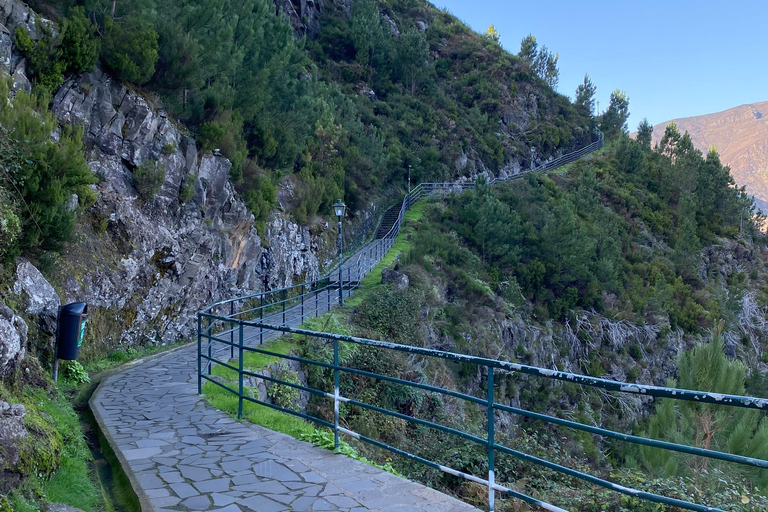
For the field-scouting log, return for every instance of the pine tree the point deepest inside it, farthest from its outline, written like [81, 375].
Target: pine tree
[710, 426]
[614, 120]
[645, 134]
[585, 95]
[492, 34]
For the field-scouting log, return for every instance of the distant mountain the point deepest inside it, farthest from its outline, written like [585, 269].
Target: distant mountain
[740, 135]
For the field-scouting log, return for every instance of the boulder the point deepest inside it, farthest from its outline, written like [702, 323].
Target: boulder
[39, 295]
[11, 432]
[13, 340]
[399, 279]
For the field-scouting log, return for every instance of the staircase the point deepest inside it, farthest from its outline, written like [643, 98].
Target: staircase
[387, 221]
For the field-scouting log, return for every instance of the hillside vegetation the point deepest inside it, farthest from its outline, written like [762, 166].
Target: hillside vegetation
[343, 115]
[619, 268]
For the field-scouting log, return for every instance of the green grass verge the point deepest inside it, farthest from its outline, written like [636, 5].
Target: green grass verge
[402, 245]
[255, 413]
[57, 441]
[118, 357]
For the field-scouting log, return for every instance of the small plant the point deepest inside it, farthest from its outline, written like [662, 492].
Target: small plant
[284, 396]
[187, 189]
[148, 178]
[169, 149]
[75, 373]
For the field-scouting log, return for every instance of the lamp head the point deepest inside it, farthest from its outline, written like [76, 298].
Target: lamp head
[339, 208]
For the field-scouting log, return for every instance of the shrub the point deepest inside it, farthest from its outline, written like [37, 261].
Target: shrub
[148, 178]
[10, 226]
[130, 49]
[43, 56]
[41, 176]
[79, 46]
[187, 190]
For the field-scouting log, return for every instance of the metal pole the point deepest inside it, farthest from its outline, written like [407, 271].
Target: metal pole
[199, 354]
[240, 373]
[409, 181]
[491, 443]
[317, 305]
[56, 349]
[302, 304]
[283, 307]
[261, 317]
[231, 331]
[336, 393]
[341, 276]
[210, 346]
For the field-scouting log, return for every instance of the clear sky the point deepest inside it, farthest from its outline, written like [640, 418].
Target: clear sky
[674, 58]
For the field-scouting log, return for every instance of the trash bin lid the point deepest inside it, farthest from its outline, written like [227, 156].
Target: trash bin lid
[75, 309]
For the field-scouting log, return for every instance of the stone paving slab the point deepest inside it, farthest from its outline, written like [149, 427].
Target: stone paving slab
[181, 454]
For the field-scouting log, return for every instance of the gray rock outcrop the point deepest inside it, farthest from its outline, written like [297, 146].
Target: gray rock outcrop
[13, 340]
[38, 294]
[14, 13]
[399, 279]
[11, 432]
[148, 267]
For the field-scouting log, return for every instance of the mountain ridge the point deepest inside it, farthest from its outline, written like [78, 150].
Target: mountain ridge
[740, 135]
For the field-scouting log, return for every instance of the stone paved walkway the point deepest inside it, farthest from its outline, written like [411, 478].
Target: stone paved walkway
[182, 454]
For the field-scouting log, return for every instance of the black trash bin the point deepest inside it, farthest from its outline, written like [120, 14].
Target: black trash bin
[69, 335]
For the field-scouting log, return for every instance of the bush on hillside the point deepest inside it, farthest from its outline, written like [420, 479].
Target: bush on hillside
[131, 49]
[148, 178]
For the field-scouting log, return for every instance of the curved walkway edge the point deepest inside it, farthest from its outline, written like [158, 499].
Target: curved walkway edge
[181, 454]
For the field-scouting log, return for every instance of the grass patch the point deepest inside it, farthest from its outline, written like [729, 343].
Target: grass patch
[57, 444]
[255, 413]
[118, 357]
[402, 245]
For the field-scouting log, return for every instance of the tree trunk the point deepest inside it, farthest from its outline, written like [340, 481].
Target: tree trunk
[114, 5]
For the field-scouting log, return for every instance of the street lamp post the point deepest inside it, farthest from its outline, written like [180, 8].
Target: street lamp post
[409, 181]
[339, 208]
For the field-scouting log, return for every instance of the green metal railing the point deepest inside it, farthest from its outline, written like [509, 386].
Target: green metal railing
[488, 368]
[239, 326]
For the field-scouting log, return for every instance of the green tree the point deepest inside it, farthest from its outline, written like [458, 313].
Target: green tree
[614, 120]
[131, 49]
[79, 46]
[412, 55]
[645, 134]
[369, 35]
[492, 34]
[687, 245]
[529, 49]
[543, 62]
[39, 176]
[585, 96]
[710, 426]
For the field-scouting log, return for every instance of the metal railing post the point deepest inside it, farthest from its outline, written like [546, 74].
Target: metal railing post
[317, 304]
[283, 307]
[302, 303]
[231, 331]
[210, 345]
[491, 443]
[328, 299]
[336, 393]
[240, 372]
[261, 317]
[199, 354]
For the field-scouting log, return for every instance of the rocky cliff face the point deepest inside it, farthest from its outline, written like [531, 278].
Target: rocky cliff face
[151, 265]
[146, 267]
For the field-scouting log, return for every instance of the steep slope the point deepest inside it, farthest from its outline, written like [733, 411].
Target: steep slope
[740, 135]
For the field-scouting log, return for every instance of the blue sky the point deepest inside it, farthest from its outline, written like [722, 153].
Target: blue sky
[674, 58]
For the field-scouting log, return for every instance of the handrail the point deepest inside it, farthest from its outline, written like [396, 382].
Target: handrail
[278, 311]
